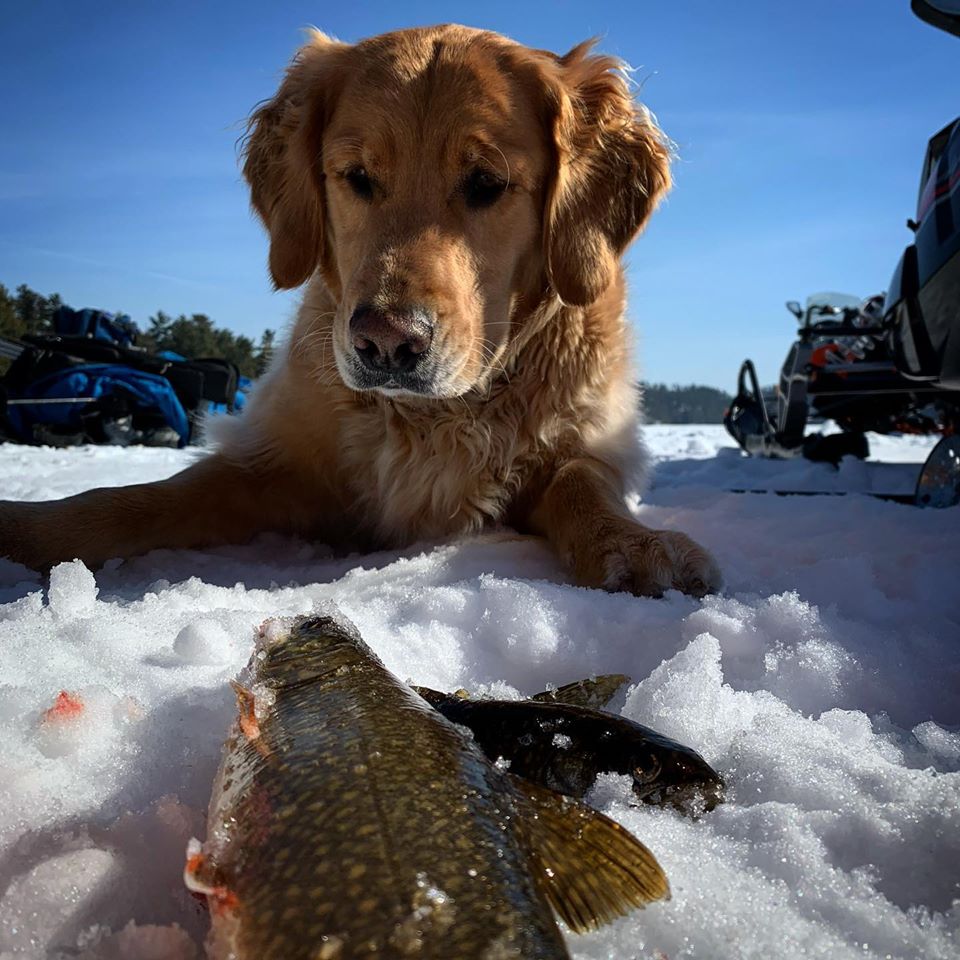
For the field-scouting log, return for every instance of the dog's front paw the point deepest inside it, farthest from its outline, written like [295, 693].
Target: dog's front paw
[626, 556]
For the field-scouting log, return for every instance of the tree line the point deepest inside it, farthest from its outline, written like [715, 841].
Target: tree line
[683, 404]
[25, 311]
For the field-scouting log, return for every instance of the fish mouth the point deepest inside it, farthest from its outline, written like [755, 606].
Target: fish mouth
[291, 651]
[323, 628]
[330, 625]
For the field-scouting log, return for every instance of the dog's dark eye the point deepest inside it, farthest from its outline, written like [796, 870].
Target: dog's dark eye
[482, 188]
[360, 182]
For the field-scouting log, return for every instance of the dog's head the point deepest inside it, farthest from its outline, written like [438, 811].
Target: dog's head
[442, 180]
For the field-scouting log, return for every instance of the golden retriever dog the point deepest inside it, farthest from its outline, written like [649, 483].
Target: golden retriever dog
[457, 205]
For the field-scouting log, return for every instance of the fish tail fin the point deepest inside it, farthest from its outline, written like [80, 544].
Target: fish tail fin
[590, 868]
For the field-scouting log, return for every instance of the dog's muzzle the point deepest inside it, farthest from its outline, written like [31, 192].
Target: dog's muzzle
[391, 349]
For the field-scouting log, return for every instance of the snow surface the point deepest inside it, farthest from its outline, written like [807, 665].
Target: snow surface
[823, 683]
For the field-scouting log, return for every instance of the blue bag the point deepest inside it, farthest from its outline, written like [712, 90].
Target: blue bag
[143, 394]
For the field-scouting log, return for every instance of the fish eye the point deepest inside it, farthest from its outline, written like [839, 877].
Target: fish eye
[648, 773]
[360, 182]
[482, 188]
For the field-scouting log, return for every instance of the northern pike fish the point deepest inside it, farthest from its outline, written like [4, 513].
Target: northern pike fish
[557, 741]
[350, 819]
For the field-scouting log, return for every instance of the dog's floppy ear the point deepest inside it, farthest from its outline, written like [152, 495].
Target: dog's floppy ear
[612, 166]
[283, 160]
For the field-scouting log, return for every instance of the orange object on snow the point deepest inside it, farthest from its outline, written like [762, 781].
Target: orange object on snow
[65, 707]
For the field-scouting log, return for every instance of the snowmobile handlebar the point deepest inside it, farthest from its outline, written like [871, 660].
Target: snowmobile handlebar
[845, 326]
[749, 372]
[842, 328]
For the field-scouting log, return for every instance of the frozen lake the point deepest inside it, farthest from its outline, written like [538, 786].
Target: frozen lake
[823, 682]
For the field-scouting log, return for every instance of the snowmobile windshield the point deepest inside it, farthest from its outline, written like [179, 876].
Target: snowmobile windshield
[827, 299]
[944, 14]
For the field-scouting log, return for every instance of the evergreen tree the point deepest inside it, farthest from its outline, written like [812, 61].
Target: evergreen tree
[10, 325]
[265, 351]
[27, 312]
[192, 336]
[155, 334]
[35, 310]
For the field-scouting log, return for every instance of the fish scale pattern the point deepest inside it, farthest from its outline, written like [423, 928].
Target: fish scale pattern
[358, 822]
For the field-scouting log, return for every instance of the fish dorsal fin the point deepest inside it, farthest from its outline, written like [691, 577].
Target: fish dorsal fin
[590, 868]
[594, 692]
[435, 698]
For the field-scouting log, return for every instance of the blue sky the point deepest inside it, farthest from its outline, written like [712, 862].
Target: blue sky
[800, 129]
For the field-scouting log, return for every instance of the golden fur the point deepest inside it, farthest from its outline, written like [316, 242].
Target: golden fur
[365, 169]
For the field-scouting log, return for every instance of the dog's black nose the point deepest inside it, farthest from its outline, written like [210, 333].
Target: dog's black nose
[391, 340]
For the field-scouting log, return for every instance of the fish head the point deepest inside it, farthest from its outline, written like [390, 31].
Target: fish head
[681, 779]
[295, 650]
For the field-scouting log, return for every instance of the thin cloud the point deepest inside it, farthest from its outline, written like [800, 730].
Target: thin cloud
[104, 265]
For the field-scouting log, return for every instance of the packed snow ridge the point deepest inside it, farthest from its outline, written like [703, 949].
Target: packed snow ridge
[823, 683]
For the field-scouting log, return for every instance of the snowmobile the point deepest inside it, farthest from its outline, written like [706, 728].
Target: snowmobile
[890, 364]
[88, 382]
[844, 368]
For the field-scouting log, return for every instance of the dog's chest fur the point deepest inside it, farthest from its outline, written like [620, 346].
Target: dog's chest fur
[447, 468]
[419, 476]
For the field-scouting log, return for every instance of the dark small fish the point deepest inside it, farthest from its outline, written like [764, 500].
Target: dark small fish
[349, 819]
[556, 741]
